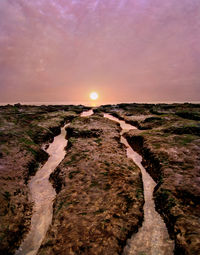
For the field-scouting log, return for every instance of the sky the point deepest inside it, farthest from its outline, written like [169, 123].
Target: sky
[126, 50]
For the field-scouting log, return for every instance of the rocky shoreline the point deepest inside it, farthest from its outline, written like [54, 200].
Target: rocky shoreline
[170, 147]
[99, 201]
[99, 190]
[23, 132]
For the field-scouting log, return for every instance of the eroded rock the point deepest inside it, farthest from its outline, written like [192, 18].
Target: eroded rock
[23, 131]
[171, 155]
[97, 206]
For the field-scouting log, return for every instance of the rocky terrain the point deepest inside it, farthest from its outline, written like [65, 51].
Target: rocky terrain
[99, 201]
[99, 192]
[168, 139]
[23, 132]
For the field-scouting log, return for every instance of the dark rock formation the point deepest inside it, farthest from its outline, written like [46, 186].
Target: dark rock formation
[171, 156]
[23, 130]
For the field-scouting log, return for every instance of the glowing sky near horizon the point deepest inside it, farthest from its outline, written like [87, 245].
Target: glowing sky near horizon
[126, 50]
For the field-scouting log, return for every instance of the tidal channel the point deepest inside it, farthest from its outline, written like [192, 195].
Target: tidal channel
[42, 194]
[152, 238]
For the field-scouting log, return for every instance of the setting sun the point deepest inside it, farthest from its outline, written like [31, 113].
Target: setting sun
[94, 95]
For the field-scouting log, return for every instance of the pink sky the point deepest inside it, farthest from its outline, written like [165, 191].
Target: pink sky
[127, 50]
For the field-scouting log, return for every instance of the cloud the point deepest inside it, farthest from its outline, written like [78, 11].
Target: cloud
[135, 49]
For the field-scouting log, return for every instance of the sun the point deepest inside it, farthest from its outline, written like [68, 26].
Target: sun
[94, 95]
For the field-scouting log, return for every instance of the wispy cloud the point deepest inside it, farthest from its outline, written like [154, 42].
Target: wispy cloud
[122, 47]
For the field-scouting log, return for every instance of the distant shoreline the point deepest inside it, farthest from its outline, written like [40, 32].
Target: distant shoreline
[93, 104]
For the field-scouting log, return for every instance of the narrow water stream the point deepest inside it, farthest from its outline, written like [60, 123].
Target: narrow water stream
[152, 238]
[43, 194]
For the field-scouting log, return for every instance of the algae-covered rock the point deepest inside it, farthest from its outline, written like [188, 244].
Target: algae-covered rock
[97, 206]
[170, 153]
[23, 132]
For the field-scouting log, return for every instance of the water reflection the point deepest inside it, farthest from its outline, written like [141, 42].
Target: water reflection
[152, 238]
[87, 113]
[43, 194]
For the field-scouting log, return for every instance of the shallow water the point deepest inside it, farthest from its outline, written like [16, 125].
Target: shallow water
[152, 238]
[43, 194]
[87, 113]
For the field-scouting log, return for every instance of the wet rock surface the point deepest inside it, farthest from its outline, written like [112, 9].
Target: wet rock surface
[99, 201]
[23, 132]
[170, 149]
[99, 190]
